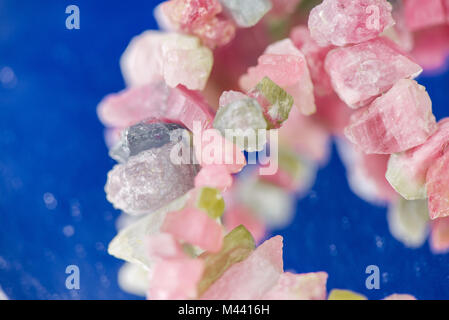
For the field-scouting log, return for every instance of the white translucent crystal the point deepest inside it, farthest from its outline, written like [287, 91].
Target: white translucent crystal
[248, 12]
[134, 279]
[129, 244]
[408, 221]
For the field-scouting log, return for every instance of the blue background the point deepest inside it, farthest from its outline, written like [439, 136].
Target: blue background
[52, 142]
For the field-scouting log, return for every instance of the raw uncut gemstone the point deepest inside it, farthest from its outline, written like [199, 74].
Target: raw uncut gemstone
[366, 173]
[437, 184]
[306, 286]
[129, 244]
[246, 13]
[241, 215]
[244, 119]
[276, 103]
[175, 279]
[143, 136]
[431, 47]
[252, 277]
[237, 246]
[198, 17]
[338, 294]
[421, 14]
[341, 22]
[211, 148]
[362, 72]
[284, 64]
[175, 58]
[214, 176]
[407, 170]
[231, 96]
[399, 120]
[210, 201]
[439, 235]
[408, 221]
[315, 56]
[134, 279]
[148, 181]
[194, 227]
[156, 102]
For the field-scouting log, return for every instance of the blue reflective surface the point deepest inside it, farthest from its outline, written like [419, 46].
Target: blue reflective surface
[53, 165]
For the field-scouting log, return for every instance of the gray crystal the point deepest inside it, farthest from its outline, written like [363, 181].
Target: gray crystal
[246, 13]
[144, 136]
[149, 180]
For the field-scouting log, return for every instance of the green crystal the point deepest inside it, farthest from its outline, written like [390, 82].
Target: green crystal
[293, 164]
[237, 246]
[280, 102]
[211, 201]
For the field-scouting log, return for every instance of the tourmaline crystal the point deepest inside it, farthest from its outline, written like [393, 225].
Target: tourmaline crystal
[129, 244]
[144, 136]
[246, 13]
[439, 235]
[237, 246]
[211, 201]
[148, 181]
[399, 120]
[244, 119]
[341, 22]
[284, 64]
[315, 56]
[437, 184]
[195, 227]
[175, 58]
[163, 246]
[133, 279]
[338, 294]
[175, 279]
[407, 170]
[362, 72]
[155, 101]
[275, 102]
[421, 14]
[200, 18]
[252, 277]
[215, 176]
[306, 286]
[408, 221]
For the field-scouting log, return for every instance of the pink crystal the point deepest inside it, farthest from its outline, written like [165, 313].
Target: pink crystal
[164, 245]
[155, 101]
[175, 58]
[199, 17]
[407, 171]
[282, 7]
[364, 71]
[431, 48]
[251, 278]
[315, 56]
[306, 286]
[239, 215]
[341, 22]
[284, 64]
[439, 235]
[195, 227]
[421, 14]
[397, 121]
[437, 184]
[175, 279]
[215, 176]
